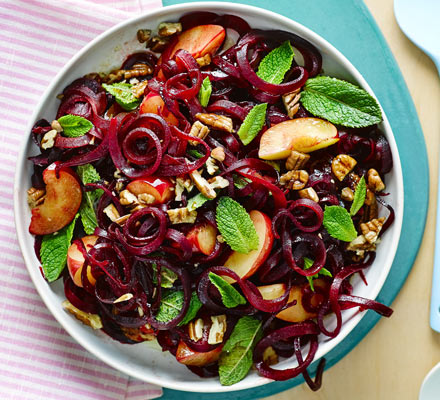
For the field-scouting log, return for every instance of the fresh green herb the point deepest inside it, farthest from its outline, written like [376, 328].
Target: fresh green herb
[240, 182]
[88, 174]
[167, 277]
[274, 66]
[235, 225]
[340, 102]
[252, 124]
[230, 296]
[339, 224]
[123, 95]
[194, 306]
[74, 125]
[53, 251]
[359, 196]
[323, 271]
[205, 92]
[197, 201]
[171, 304]
[195, 153]
[236, 357]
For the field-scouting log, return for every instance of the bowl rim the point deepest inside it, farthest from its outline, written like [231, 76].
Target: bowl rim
[228, 7]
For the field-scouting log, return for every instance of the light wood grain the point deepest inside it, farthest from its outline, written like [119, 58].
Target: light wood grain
[391, 362]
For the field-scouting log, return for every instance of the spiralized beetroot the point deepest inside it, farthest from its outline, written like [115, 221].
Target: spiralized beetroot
[138, 247]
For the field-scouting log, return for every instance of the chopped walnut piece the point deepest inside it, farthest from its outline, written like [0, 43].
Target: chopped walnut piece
[126, 198]
[371, 208]
[203, 185]
[35, 197]
[124, 297]
[216, 121]
[181, 185]
[143, 35]
[375, 182]
[342, 164]
[371, 229]
[48, 140]
[198, 130]
[122, 220]
[139, 89]
[137, 335]
[347, 194]
[182, 216]
[211, 166]
[195, 329]
[146, 198]
[205, 60]
[56, 125]
[92, 320]
[309, 193]
[158, 43]
[295, 180]
[291, 102]
[218, 154]
[218, 182]
[360, 245]
[296, 160]
[269, 356]
[138, 69]
[111, 212]
[166, 29]
[217, 330]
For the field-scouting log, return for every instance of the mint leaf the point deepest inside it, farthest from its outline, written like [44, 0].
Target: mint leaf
[274, 66]
[252, 124]
[339, 224]
[273, 163]
[197, 201]
[195, 153]
[74, 125]
[88, 174]
[323, 271]
[205, 92]
[172, 303]
[359, 196]
[167, 277]
[123, 95]
[53, 251]
[340, 102]
[194, 306]
[240, 182]
[236, 357]
[236, 226]
[230, 296]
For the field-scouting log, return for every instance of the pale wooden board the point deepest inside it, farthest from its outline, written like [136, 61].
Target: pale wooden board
[391, 362]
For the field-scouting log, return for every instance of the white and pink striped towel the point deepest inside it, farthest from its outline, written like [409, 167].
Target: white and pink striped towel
[38, 359]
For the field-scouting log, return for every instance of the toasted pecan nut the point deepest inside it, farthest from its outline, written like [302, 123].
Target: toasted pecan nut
[342, 165]
[291, 102]
[371, 229]
[198, 130]
[143, 35]
[375, 182]
[295, 180]
[216, 121]
[166, 29]
[296, 160]
[182, 215]
[35, 197]
[309, 193]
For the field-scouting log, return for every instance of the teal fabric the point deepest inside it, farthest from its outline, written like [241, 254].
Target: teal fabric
[348, 25]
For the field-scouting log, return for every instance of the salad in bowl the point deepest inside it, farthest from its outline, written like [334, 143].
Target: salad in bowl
[216, 193]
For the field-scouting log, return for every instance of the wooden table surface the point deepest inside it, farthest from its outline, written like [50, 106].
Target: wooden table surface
[392, 360]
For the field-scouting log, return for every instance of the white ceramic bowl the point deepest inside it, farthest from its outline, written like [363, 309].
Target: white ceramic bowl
[146, 361]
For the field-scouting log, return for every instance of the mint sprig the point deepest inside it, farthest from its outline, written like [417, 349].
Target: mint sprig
[359, 196]
[274, 66]
[236, 356]
[323, 271]
[236, 226]
[171, 304]
[339, 224]
[53, 251]
[230, 296]
[88, 174]
[340, 102]
[197, 201]
[205, 92]
[123, 95]
[252, 124]
[74, 125]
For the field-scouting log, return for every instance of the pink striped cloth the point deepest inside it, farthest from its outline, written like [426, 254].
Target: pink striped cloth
[38, 359]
